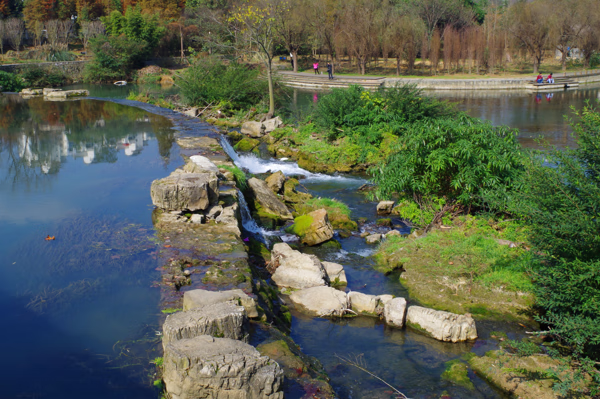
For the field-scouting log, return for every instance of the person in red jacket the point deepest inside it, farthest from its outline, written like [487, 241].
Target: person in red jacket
[539, 79]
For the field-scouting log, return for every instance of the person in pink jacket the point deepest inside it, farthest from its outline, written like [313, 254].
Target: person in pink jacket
[316, 67]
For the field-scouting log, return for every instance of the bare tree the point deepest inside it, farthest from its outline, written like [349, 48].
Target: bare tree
[2, 35]
[89, 30]
[291, 25]
[434, 54]
[567, 26]
[360, 30]
[530, 24]
[15, 28]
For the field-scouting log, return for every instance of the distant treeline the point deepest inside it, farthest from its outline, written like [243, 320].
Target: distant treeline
[448, 36]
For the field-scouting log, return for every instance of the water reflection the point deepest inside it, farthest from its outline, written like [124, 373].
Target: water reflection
[37, 136]
[80, 171]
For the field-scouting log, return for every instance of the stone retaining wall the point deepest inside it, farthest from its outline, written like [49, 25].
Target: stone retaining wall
[72, 69]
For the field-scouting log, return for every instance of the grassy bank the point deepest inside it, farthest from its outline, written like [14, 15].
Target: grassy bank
[469, 267]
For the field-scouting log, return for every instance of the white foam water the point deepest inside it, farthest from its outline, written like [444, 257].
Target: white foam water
[257, 165]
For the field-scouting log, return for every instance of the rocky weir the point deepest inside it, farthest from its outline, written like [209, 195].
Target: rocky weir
[226, 297]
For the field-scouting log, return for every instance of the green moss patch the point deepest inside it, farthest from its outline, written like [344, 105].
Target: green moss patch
[463, 270]
[457, 372]
[337, 212]
[246, 144]
[301, 225]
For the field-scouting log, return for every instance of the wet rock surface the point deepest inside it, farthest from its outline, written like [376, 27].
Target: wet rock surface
[385, 207]
[219, 368]
[268, 200]
[335, 273]
[313, 228]
[394, 312]
[276, 182]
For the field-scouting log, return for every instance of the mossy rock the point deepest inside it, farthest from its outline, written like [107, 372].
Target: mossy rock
[342, 222]
[235, 135]
[290, 194]
[384, 222]
[301, 225]
[458, 373]
[246, 144]
[257, 248]
[331, 244]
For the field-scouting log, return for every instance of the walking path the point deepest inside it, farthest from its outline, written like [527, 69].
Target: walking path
[305, 80]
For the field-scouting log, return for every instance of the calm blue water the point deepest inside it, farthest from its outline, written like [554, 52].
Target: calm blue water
[79, 171]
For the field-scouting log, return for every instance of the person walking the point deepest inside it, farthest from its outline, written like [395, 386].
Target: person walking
[316, 67]
[330, 71]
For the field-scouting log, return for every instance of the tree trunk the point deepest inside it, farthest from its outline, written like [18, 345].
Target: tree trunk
[535, 65]
[181, 37]
[295, 60]
[563, 60]
[271, 94]
[398, 65]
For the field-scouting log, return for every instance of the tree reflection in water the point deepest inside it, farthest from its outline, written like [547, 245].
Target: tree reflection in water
[38, 136]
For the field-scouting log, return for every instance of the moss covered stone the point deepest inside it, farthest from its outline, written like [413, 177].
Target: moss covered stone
[301, 225]
[246, 144]
[457, 372]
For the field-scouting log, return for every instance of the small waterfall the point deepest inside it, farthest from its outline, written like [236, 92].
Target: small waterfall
[247, 221]
[257, 165]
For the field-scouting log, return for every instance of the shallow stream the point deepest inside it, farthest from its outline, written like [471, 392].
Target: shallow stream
[81, 311]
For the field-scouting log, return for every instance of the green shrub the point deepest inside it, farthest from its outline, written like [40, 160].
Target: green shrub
[457, 159]
[561, 207]
[37, 77]
[10, 82]
[230, 86]
[115, 57]
[239, 176]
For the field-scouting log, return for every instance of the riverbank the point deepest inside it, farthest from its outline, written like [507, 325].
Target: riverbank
[321, 82]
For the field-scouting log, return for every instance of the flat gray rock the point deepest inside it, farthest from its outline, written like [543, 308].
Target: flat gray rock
[224, 320]
[185, 191]
[268, 200]
[335, 272]
[295, 269]
[320, 301]
[198, 298]
[219, 368]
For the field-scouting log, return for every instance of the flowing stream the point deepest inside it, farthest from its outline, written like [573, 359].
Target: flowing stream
[408, 360]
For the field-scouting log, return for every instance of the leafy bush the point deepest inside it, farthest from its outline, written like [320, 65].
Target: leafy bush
[10, 82]
[230, 86]
[457, 159]
[37, 77]
[561, 206]
[238, 175]
[357, 112]
[135, 26]
[115, 57]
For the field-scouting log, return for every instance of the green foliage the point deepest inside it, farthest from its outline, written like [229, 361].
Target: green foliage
[115, 57]
[457, 159]
[158, 361]
[559, 199]
[337, 212]
[457, 372]
[135, 26]
[365, 115]
[239, 175]
[37, 77]
[10, 82]
[521, 348]
[228, 87]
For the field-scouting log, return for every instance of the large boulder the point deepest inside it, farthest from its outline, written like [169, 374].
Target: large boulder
[373, 238]
[219, 368]
[199, 298]
[363, 303]
[295, 269]
[444, 326]
[335, 273]
[185, 191]
[203, 164]
[385, 207]
[394, 312]
[276, 181]
[271, 124]
[224, 320]
[268, 200]
[321, 301]
[253, 129]
[312, 228]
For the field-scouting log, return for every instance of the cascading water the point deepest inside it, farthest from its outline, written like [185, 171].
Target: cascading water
[248, 223]
[257, 165]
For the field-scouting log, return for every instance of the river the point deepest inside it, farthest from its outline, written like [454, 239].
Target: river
[81, 311]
